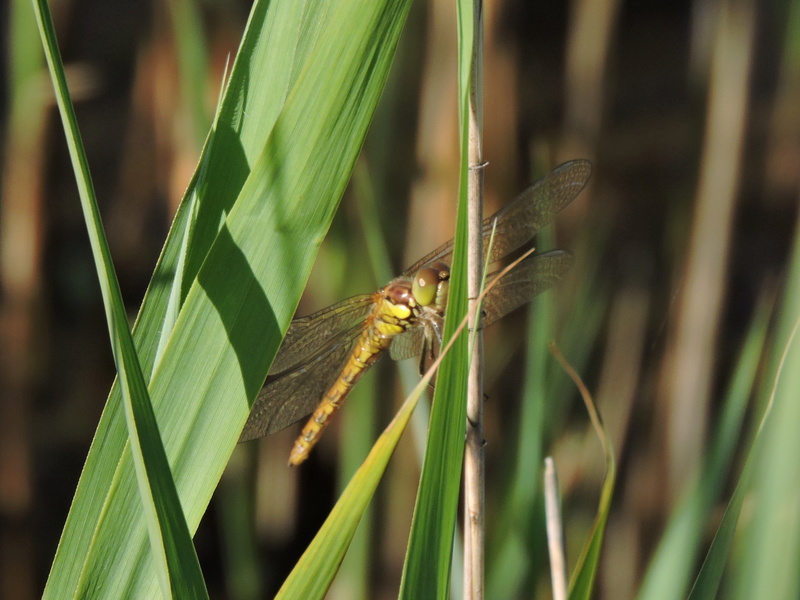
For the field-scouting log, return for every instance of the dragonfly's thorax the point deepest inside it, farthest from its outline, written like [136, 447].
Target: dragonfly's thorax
[396, 305]
[393, 311]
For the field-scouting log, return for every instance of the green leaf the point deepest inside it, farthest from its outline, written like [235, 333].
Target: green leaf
[673, 565]
[770, 540]
[426, 573]
[582, 580]
[314, 572]
[290, 126]
[176, 565]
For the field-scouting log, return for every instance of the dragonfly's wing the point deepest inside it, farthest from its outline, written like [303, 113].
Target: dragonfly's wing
[290, 395]
[520, 220]
[413, 340]
[307, 334]
[408, 344]
[443, 253]
[528, 279]
[535, 208]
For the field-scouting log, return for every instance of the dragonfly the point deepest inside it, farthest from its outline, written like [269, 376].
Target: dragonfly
[325, 354]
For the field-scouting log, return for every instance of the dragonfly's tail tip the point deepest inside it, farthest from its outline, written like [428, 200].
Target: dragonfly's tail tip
[296, 459]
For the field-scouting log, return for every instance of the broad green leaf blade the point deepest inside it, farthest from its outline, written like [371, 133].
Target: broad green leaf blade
[761, 541]
[673, 565]
[267, 47]
[767, 566]
[177, 565]
[426, 573]
[292, 121]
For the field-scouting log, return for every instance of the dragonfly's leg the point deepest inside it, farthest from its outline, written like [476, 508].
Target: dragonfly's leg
[423, 357]
[431, 343]
[426, 358]
[437, 326]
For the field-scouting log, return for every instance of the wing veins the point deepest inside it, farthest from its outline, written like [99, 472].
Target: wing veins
[288, 396]
[523, 217]
[305, 334]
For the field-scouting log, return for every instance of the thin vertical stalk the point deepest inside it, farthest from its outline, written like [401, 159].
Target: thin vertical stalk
[474, 460]
[555, 531]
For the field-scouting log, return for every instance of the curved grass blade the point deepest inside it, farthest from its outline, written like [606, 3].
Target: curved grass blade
[582, 581]
[176, 563]
[314, 572]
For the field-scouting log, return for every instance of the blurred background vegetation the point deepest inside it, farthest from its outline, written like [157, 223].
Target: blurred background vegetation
[690, 113]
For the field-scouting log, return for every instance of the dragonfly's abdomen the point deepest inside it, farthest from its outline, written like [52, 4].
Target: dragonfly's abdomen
[391, 314]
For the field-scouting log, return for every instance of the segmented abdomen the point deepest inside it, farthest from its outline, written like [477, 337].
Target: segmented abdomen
[381, 328]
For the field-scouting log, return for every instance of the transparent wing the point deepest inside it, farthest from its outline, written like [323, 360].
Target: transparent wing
[290, 395]
[408, 344]
[411, 342]
[307, 334]
[530, 278]
[520, 220]
[316, 347]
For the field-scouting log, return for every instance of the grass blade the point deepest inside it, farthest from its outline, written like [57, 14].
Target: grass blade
[314, 572]
[312, 576]
[672, 567]
[583, 577]
[176, 564]
[427, 568]
[233, 268]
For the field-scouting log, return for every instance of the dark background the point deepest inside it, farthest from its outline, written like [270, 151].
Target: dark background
[635, 87]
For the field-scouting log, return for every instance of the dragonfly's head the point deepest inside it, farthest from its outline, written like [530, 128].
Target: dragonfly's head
[431, 284]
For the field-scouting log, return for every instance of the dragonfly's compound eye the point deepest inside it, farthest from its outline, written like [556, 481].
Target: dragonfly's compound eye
[425, 285]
